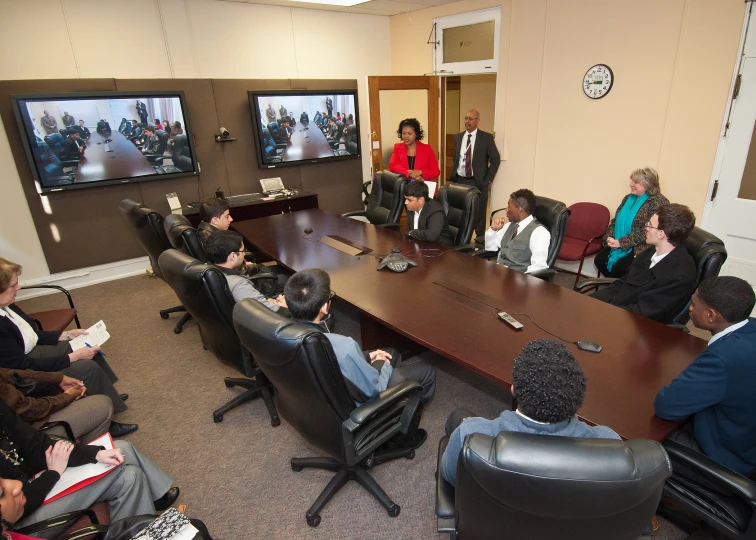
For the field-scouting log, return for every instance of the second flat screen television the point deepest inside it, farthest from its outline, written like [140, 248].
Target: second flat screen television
[296, 126]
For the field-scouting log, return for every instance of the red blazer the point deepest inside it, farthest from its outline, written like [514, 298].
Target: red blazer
[425, 160]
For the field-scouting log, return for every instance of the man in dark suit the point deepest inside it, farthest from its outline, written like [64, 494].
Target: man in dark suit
[329, 106]
[426, 219]
[68, 120]
[141, 111]
[661, 280]
[83, 130]
[716, 390]
[49, 123]
[476, 160]
[73, 147]
[337, 130]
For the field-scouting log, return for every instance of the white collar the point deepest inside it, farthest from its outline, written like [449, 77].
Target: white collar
[730, 329]
[5, 311]
[524, 223]
[473, 132]
[529, 418]
[655, 258]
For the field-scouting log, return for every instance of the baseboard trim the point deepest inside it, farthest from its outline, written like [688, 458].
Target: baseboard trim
[85, 277]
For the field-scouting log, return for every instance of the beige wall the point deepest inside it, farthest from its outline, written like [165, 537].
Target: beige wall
[672, 61]
[189, 39]
[478, 92]
[396, 105]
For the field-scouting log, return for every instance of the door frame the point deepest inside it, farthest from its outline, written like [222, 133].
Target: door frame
[409, 82]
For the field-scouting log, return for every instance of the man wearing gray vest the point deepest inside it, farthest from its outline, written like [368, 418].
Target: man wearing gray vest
[523, 243]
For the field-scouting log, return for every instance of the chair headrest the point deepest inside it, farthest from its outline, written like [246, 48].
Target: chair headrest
[548, 209]
[699, 239]
[456, 193]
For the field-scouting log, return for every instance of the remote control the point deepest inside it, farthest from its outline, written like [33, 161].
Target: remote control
[511, 321]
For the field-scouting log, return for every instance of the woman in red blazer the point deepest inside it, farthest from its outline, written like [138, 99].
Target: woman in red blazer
[413, 159]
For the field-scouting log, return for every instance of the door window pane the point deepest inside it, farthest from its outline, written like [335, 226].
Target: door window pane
[469, 43]
[748, 183]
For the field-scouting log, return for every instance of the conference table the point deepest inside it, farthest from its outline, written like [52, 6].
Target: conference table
[307, 143]
[448, 304]
[118, 158]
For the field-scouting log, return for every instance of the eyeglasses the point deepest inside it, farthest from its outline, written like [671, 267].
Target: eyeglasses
[649, 226]
[471, 118]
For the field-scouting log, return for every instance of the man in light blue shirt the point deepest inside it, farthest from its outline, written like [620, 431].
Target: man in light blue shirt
[308, 297]
[550, 387]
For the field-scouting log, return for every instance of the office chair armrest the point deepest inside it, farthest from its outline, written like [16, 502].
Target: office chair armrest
[390, 226]
[444, 492]
[261, 276]
[596, 282]
[362, 213]
[59, 423]
[376, 404]
[680, 327]
[57, 521]
[95, 532]
[465, 248]
[490, 220]
[483, 254]
[547, 274]
[713, 472]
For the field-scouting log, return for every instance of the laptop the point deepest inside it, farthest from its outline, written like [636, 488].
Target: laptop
[272, 185]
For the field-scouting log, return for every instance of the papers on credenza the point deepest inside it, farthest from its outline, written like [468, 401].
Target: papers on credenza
[96, 336]
[431, 188]
[75, 478]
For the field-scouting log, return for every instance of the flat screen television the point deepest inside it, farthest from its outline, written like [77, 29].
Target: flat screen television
[81, 140]
[305, 126]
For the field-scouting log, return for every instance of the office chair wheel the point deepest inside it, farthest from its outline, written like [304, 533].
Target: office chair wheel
[394, 510]
[163, 315]
[297, 468]
[177, 330]
[217, 418]
[313, 521]
[275, 421]
[411, 455]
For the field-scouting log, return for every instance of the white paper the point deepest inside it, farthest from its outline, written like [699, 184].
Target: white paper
[376, 145]
[73, 475]
[431, 188]
[96, 336]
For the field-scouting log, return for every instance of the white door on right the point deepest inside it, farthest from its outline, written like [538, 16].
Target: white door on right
[732, 214]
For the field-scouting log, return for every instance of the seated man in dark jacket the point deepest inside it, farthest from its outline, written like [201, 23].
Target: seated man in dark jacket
[717, 389]
[549, 385]
[426, 219]
[662, 278]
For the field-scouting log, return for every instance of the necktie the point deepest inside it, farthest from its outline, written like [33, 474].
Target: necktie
[514, 234]
[468, 156]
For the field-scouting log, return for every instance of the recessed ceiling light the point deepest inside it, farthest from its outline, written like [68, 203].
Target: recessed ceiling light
[344, 3]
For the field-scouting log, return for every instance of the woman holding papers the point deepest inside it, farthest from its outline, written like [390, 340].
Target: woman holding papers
[135, 486]
[22, 346]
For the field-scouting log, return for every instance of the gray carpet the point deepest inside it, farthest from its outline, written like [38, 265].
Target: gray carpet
[235, 475]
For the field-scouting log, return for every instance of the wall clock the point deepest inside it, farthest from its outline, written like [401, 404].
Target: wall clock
[598, 81]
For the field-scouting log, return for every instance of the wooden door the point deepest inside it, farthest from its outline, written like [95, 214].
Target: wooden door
[375, 85]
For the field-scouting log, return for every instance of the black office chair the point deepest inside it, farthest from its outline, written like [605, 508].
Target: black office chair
[337, 133]
[180, 155]
[461, 204]
[553, 215]
[708, 253]
[183, 236]
[350, 139]
[53, 170]
[279, 135]
[313, 397]
[203, 290]
[156, 159]
[385, 201]
[708, 495]
[147, 226]
[523, 486]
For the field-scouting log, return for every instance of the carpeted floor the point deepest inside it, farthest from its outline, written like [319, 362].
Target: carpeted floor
[235, 475]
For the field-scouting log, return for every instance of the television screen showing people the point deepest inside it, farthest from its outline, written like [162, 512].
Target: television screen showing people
[297, 127]
[90, 140]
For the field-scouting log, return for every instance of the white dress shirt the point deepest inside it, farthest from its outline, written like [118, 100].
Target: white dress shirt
[656, 259]
[728, 330]
[463, 151]
[27, 332]
[417, 218]
[539, 243]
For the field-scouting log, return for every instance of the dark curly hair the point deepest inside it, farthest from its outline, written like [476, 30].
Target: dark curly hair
[731, 296]
[525, 199]
[414, 124]
[549, 383]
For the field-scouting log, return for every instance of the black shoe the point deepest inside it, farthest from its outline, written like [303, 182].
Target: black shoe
[124, 397]
[117, 429]
[407, 442]
[165, 502]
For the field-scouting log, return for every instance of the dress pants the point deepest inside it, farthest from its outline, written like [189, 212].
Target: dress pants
[88, 417]
[480, 222]
[129, 489]
[414, 369]
[96, 373]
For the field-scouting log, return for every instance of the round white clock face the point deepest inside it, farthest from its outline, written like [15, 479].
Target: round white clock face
[598, 81]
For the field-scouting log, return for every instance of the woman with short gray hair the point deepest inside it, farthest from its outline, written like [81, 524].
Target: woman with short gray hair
[625, 237]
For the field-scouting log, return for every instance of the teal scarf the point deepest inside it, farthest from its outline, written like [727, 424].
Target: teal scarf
[623, 225]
